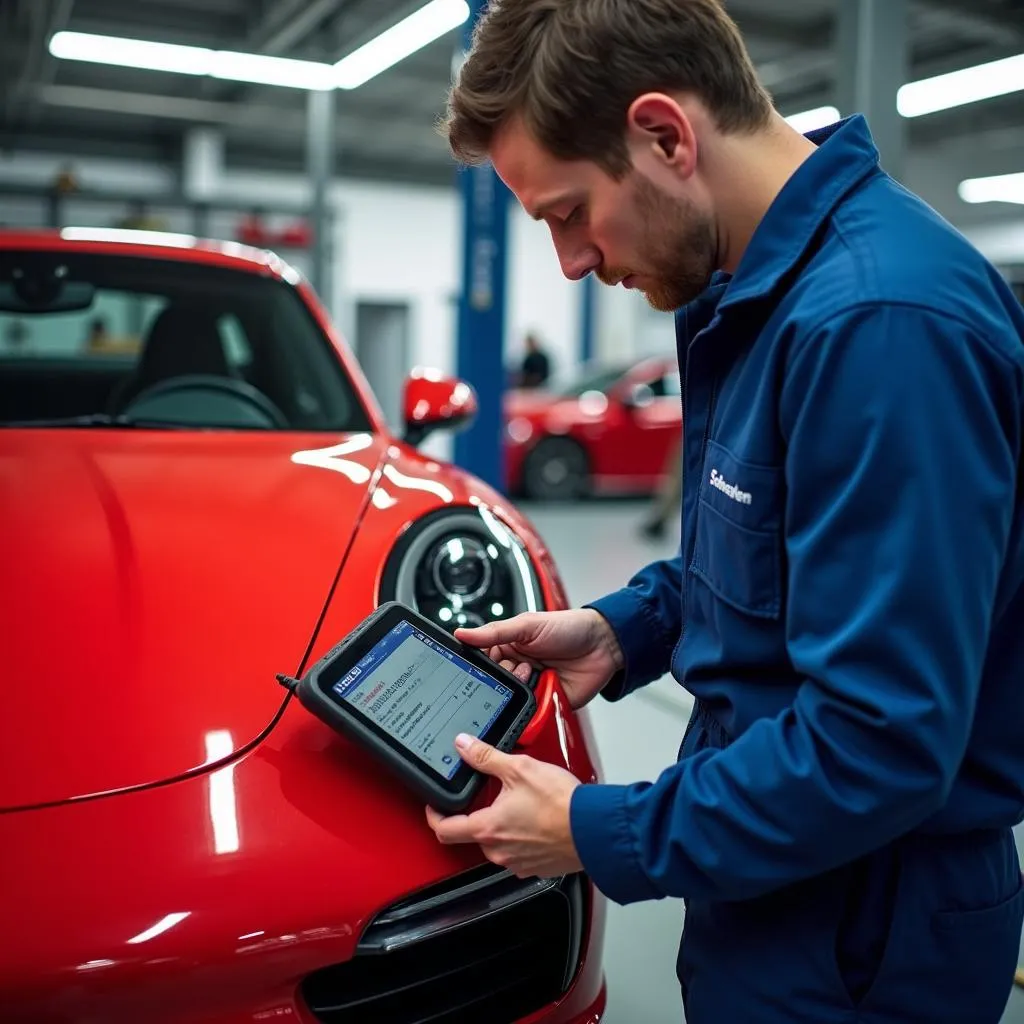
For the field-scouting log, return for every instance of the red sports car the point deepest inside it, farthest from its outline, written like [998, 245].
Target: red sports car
[198, 491]
[613, 432]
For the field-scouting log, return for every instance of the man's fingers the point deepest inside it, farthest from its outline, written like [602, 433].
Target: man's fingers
[458, 828]
[484, 757]
[495, 634]
[480, 636]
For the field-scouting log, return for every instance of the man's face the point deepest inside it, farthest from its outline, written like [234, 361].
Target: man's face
[629, 232]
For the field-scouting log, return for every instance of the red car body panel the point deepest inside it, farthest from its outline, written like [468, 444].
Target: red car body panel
[627, 448]
[208, 558]
[323, 841]
[183, 842]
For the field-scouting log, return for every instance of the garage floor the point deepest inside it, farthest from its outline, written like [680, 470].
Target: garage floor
[598, 549]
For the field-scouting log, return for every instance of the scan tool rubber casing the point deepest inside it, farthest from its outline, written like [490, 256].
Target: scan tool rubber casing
[314, 690]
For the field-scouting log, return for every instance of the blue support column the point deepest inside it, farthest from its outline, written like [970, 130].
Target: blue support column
[481, 341]
[588, 319]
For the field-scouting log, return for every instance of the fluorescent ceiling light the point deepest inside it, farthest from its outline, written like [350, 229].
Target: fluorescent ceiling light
[809, 120]
[400, 41]
[958, 87]
[1003, 188]
[131, 53]
[985, 81]
[264, 70]
[192, 60]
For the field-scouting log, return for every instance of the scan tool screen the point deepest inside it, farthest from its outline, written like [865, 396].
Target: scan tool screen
[423, 695]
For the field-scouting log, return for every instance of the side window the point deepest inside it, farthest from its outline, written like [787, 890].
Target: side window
[657, 387]
[666, 386]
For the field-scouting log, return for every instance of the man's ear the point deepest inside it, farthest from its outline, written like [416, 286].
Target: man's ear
[657, 124]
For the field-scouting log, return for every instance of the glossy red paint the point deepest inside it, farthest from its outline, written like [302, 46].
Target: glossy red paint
[430, 400]
[626, 445]
[210, 898]
[193, 564]
[205, 843]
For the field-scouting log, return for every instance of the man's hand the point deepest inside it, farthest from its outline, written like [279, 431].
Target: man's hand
[526, 829]
[579, 645]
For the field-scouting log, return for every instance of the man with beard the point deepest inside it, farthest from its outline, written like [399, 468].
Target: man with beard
[847, 602]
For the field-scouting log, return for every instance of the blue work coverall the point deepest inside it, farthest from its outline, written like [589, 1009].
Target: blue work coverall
[847, 609]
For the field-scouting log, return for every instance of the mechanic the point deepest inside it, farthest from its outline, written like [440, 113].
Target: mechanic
[848, 600]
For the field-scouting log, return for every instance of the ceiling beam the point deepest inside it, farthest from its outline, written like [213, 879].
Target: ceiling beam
[284, 25]
[287, 23]
[805, 33]
[997, 23]
[346, 41]
[48, 17]
[243, 155]
[258, 117]
[179, 27]
[155, 10]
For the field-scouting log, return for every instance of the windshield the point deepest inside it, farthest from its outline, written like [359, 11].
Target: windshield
[129, 340]
[599, 381]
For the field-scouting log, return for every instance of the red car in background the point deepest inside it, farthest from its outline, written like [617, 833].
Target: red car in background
[612, 432]
[198, 491]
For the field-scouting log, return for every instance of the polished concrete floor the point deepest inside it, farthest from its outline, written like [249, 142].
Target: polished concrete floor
[597, 549]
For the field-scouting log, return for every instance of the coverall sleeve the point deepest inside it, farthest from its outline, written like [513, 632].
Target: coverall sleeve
[646, 617]
[903, 437]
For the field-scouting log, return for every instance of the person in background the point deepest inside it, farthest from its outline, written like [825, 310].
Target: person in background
[665, 505]
[536, 366]
[847, 603]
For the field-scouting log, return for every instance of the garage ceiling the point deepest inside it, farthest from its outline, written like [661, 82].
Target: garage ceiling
[385, 128]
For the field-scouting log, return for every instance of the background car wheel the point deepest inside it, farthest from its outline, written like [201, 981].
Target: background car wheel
[556, 470]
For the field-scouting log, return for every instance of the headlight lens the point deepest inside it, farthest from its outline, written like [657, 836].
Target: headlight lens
[461, 567]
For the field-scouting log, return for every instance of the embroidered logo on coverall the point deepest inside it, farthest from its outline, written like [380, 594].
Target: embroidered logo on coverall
[728, 489]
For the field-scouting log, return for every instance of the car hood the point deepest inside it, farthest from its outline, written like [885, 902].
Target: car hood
[154, 584]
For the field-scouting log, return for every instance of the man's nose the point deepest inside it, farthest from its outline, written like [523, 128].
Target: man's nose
[577, 263]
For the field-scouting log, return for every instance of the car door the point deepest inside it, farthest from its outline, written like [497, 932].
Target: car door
[649, 417]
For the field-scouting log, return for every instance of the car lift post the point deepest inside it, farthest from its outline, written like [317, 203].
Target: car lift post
[872, 60]
[588, 318]
[320, 165]
[481, 325]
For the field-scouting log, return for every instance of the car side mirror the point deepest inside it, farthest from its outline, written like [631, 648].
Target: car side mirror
[434, 402]
[638, 397]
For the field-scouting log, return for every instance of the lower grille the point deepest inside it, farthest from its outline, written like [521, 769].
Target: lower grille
[489, 949]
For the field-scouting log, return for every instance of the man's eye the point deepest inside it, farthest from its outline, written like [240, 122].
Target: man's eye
[576, 216]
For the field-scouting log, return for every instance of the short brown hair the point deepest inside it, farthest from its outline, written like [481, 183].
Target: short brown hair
[571, 69]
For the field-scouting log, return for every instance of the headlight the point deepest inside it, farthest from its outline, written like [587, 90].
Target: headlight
[461, 567]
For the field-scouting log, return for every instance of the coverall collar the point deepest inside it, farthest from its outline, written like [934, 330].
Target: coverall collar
[846, 155]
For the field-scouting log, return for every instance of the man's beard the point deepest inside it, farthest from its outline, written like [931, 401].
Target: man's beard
[680, 255]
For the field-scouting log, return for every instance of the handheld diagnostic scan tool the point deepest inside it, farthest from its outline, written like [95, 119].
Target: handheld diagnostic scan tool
[403, 689]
